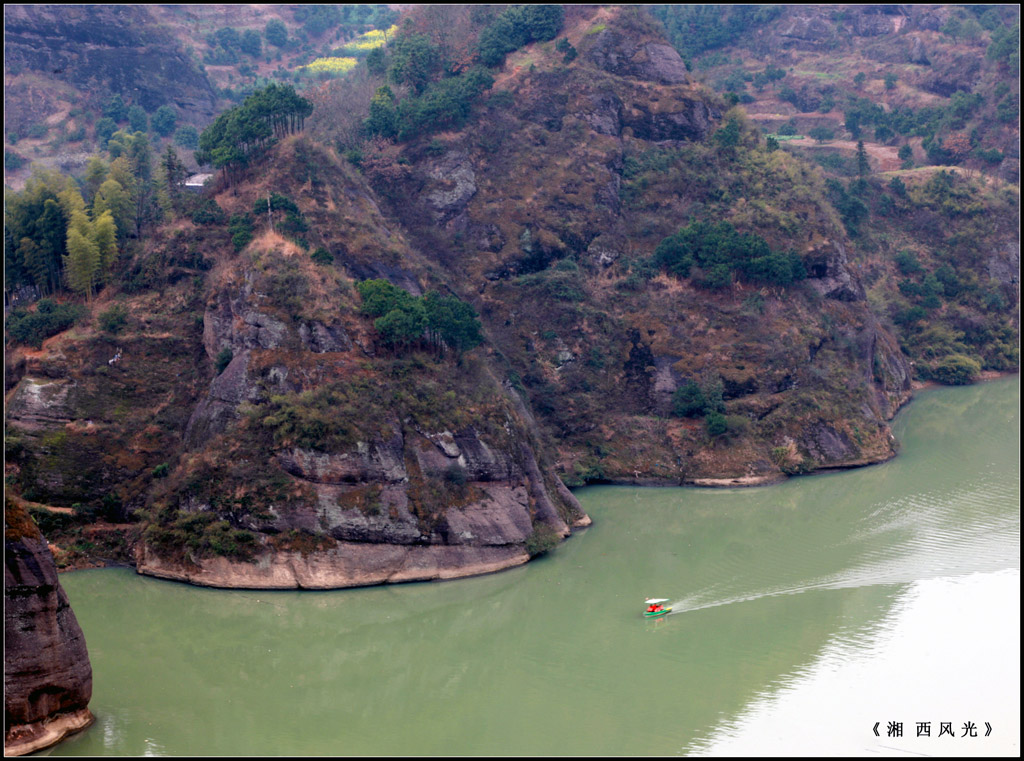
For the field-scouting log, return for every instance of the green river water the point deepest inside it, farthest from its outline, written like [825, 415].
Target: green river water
[803, 614]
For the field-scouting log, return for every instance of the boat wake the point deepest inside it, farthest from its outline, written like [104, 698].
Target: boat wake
[888, 574]
[992, 546]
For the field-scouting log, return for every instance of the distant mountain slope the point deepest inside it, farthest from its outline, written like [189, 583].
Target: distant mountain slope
[889, 74]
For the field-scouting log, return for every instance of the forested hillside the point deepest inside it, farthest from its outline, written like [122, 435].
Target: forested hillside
[502, 251]
[912, 115]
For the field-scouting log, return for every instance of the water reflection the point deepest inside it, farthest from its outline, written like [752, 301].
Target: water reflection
[922, 665]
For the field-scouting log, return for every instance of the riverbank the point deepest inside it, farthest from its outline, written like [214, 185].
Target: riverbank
[985, 376]
[823, 595]
[354, 564]
[350, 564]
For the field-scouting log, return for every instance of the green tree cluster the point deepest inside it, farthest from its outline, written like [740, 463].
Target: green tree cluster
[138, 119]
[694, 29]
[317, 19]
[414, 61]
[54, 239]
[49, 318]
[569, 52]
[1004, 48]
[115, 108]
[276, 33]
[283, 213]
[693, 400]
[114, 319]
[852, 209]
[266, 115]
[402, 319]
[133, 204]
[769, 75]
[821, 133]
[322, 256]
[104, 129]
[13, 161]
[718, 251]
[518, 26]
[164, 120]
[187, 136]
[91, 249]
[251, 43]
[956, 370]
[225, 46]
[445, 104]
[35, 233]
[240, 230]
[728, 136]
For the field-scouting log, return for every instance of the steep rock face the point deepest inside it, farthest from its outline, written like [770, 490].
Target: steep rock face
[625, 56]
[418, 504]
[343, 461]
[542, 178]
[693, 122]
[47, 675]
[87, 426]
[958, 72]
[829, 273]
[576, 179]
[103, 49]
[807, 30]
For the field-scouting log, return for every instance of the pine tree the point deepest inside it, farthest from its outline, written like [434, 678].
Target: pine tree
[863, 165]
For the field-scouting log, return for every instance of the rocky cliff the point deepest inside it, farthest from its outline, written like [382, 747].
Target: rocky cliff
[551, 203]
[256, 424]
[100, 50]
[47, 675]
[314, 455]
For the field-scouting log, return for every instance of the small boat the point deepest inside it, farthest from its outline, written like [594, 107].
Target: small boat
[656, 607]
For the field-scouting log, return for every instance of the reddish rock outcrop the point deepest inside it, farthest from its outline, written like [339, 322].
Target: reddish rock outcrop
[47, 674]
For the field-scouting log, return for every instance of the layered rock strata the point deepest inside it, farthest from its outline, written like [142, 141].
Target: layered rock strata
[47, 674]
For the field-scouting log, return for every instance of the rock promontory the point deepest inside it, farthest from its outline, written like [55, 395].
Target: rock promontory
[47, 674]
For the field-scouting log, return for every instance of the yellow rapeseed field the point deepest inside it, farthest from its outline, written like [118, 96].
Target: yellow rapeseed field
[333, 65]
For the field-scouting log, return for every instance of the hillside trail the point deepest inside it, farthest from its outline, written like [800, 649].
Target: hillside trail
[25, 503]
[885, 156]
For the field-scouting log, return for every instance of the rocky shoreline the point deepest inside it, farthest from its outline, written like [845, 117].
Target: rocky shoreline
[24, 739]
[349, 565]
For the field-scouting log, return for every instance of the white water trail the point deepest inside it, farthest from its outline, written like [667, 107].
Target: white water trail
[693, 602]
[981, 549]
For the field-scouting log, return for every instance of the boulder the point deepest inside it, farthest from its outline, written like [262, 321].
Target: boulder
[649, 61]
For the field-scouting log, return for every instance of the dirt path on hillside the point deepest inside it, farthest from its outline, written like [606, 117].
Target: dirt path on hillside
[884, 157]
[26, 504]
